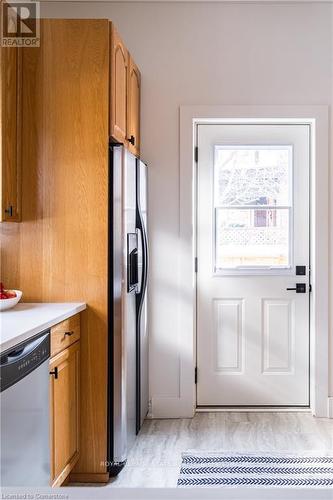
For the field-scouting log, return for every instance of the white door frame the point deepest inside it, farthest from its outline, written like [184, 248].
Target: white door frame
[317, 118]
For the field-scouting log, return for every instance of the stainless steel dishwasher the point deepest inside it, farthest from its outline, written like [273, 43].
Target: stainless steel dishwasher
[24, 407]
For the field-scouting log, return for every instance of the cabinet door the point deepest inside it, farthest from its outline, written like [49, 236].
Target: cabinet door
[10, 124]
[133, 107]
[64, 409]
[118, 88]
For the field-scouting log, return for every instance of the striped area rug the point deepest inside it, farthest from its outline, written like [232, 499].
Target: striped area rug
[258, 470]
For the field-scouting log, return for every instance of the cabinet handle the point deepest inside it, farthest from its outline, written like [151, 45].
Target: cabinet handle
[9, 211]
[55, 372]
[69, 333]
[131, 140]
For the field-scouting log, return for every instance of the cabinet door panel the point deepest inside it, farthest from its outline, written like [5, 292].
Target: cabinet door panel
[133, 107]
[118, 88]
[10, 134]
[64, 393]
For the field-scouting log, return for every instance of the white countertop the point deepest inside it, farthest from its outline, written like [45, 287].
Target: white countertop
[26, 320]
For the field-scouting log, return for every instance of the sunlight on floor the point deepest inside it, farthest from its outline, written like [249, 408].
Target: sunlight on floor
[155, 458]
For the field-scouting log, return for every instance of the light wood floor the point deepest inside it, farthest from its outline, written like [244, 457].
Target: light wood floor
[155, 458]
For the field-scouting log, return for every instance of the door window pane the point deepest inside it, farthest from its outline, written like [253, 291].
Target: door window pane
[253, 206]
[253, 175]
[252, 238]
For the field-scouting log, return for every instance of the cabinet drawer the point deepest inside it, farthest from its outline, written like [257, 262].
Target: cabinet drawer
[64, 334]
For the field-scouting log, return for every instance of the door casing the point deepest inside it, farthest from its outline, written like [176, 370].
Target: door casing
[317, 118]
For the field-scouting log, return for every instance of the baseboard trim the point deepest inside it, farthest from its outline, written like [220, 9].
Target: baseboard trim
[171, 408]
[330, 407]
[89, 477]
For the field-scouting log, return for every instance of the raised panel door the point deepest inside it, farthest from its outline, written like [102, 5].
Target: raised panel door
[118, 88]
[133, 106]
[10, 123]
[253, 233]
[64, 397]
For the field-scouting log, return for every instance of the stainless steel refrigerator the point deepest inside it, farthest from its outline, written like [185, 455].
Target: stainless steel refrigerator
[128, 396]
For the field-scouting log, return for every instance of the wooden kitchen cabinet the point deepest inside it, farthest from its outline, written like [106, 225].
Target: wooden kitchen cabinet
[125, 88]
[133, 107]
[65, 334]
[10, 124]
[64, 410]
[118, 87]
[59, 252]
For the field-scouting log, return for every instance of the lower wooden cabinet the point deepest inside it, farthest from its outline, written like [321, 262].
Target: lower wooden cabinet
[65, 334]
[64, 411]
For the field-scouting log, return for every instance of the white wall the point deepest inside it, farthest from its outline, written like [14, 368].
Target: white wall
[331, 232]
[212, 53]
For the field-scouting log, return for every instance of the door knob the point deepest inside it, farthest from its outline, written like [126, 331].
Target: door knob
[300, 288]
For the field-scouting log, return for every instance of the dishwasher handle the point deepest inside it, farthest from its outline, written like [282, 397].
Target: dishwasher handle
[17, 363]
[21, 351]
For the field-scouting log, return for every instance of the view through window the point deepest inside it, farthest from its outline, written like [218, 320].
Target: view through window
[253, 206]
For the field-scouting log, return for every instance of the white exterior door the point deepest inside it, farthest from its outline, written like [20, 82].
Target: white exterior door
[252, 249]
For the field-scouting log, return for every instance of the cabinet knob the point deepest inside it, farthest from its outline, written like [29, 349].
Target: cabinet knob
[131, 140]
[55, 372]
[69, 333]
[9, 211]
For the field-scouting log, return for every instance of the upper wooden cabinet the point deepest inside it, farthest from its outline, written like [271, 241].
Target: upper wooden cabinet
[133, 107]
[10, 124]
[118, 87]
[124, 116]
[125, 86]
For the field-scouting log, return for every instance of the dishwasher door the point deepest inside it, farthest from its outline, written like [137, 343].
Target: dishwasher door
[24, 407]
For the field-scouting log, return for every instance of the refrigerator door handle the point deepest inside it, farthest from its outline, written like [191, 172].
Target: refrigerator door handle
[144, 273]
[132, 262]
[133, 268]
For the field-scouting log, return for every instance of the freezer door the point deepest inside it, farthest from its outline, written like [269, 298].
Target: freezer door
[116, 407]
[141, 304]
[122, 307]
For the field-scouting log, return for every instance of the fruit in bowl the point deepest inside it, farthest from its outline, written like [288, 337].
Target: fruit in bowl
[8, 298]
[6, 294]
